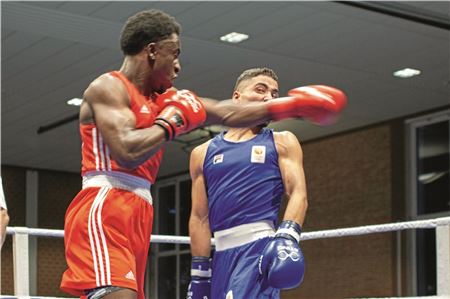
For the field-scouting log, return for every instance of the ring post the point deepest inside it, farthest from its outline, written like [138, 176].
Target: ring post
[443, 260]
[21, 263]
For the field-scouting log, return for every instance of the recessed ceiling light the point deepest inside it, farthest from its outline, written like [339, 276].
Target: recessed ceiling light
[75, 102]
[234, 37]
[406, 73]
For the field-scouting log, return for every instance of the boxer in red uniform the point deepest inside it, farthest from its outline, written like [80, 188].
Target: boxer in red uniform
[125, 119]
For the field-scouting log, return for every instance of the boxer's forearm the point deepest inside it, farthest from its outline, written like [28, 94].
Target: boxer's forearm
[200, 234]
[296, 209]
[316, 103]
[230, 114]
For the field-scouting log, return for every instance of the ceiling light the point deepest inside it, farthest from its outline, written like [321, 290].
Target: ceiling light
[406, 73]
[75, 102]
[234, 37]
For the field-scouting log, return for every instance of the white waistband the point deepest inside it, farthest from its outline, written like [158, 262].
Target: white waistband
[120, 180]
[243, 234]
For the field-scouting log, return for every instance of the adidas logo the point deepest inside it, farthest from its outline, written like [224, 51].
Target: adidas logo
[130, 276]
[144, 109]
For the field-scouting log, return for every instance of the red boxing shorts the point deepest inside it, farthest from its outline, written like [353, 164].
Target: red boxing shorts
[107, 235]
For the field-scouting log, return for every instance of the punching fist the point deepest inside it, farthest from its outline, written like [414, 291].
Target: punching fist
[282, 263]
[181, 112]
[318, 104]
[200, 286]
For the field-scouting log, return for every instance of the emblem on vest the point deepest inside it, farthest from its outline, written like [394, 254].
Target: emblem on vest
[258, 154]
[144, 109]
[218, 159]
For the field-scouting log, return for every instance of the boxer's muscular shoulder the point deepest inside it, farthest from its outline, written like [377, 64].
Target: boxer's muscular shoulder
[105, 88]
[284, 141]
[198, 156]
[286, 136]
[201, 149]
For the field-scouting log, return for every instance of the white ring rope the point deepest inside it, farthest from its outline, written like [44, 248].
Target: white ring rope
[42, 232]
[442, 226]
[330, 233]
[377, 228]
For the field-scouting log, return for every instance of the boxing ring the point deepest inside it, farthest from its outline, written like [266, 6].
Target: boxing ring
[441, 225]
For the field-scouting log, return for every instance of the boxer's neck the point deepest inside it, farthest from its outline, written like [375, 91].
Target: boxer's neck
[137, 71]
[241, 134]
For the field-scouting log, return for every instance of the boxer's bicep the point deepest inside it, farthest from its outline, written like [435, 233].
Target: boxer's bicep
[290, 161]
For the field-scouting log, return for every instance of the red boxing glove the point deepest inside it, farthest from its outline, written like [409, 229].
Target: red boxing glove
[182, 112]
[162, 100]
[319, 104]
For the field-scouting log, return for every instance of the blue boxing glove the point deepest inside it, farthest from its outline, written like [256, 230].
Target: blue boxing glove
[200, 286]
[282, 263]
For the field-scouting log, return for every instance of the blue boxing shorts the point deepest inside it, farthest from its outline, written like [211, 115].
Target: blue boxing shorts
[235, 273]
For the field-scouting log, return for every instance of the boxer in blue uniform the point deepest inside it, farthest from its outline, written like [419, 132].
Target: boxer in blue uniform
[238, 180]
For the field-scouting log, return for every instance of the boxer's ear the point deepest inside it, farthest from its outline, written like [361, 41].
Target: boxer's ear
[236, 97]
[151, 51]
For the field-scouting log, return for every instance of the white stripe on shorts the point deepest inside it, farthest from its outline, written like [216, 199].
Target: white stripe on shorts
[94, 224]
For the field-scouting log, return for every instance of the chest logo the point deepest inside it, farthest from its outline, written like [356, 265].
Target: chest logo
[218, 159]
[258, 154]
[144, 109]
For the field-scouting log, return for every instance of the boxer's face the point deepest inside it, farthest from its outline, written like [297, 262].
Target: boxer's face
[164, 61]
[257, 89]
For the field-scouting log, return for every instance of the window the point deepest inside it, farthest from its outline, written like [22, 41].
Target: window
[170, 264]
[432, 168]
[428, 169]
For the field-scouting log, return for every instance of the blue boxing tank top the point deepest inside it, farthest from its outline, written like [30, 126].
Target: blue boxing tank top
[243, 180]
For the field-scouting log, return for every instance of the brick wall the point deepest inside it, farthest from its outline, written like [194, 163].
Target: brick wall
[349, 184]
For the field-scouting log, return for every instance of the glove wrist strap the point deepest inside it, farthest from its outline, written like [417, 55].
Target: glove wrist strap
[166, 126]
[290, 228]
[201, 267]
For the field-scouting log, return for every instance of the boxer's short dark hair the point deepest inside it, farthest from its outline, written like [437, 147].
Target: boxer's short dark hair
[145, 27]
[254, 72]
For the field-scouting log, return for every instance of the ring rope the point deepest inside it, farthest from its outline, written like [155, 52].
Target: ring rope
[377, 228]
[330, 233]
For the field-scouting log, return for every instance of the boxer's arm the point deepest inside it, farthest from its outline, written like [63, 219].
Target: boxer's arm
[318, 104]
[106, 102]
[230, 114]
[199, 230]
[289, 272]
[290, 161]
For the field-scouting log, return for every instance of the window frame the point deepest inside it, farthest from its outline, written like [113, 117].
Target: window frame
[411, 126]
[151, 284]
